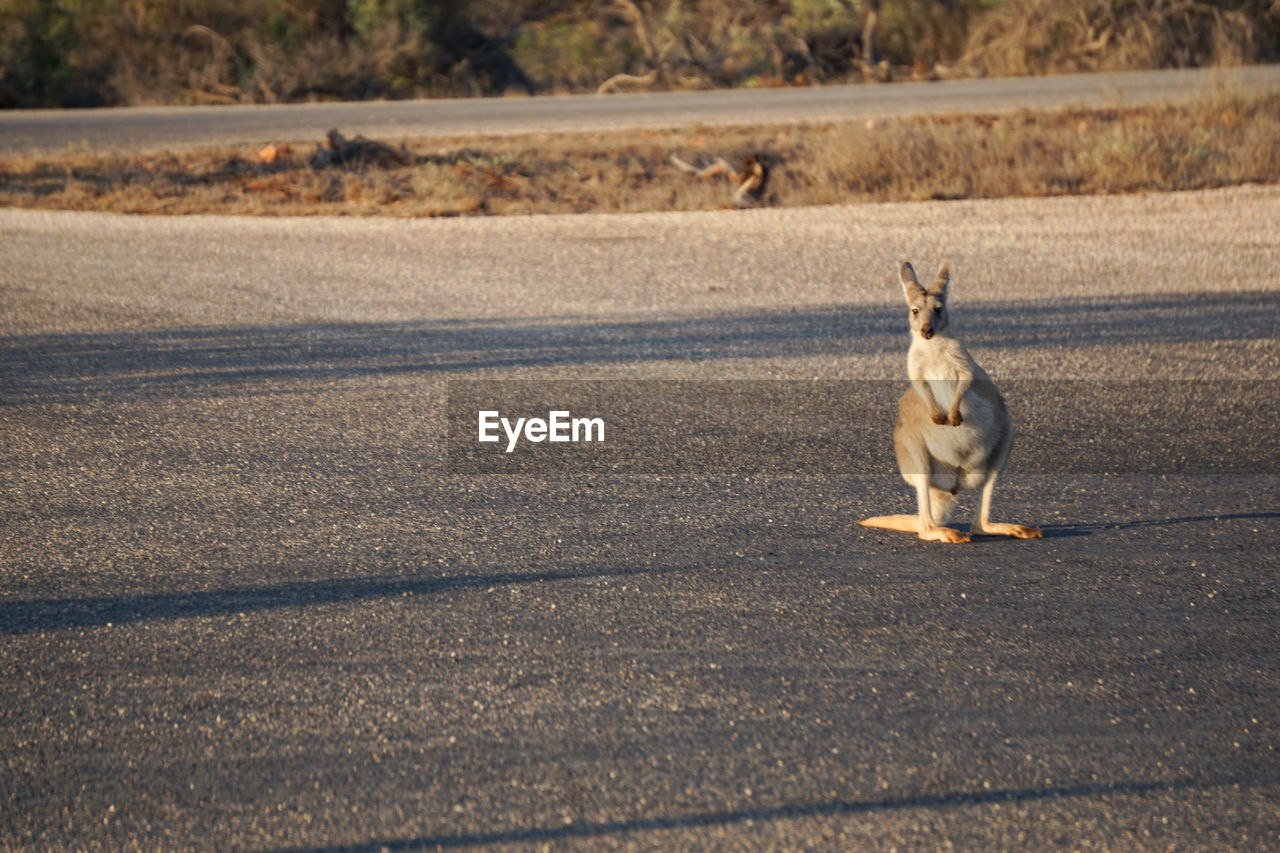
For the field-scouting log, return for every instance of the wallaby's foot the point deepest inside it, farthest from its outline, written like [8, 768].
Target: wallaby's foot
[911, 524]
[1017, 531]
[900, 523]
[956, 420]
[944, 534]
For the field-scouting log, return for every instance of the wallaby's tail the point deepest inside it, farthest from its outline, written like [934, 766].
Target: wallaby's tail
[901, 523]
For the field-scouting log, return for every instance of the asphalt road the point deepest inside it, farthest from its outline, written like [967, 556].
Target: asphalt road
[174, 128]
[248, 602]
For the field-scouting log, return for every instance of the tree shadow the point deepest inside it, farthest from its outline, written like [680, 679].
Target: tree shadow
[467, 55]
[34, 615]
[831, 808]
[29, 616]
[212, 360]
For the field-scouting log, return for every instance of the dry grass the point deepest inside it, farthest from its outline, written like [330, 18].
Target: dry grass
[1022, 37]
[1223, 139]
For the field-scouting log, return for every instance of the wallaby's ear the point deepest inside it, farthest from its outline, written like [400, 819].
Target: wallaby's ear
[940, 284]
[910, 284]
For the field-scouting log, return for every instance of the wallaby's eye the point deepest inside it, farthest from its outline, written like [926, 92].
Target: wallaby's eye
[937, 309]
[915, 311]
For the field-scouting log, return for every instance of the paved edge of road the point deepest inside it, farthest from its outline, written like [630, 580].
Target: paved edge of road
[142, 129]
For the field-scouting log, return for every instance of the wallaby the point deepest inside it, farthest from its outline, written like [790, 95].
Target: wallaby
[953, 429]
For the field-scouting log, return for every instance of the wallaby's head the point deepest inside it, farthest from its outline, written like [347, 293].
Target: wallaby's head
[928, 307]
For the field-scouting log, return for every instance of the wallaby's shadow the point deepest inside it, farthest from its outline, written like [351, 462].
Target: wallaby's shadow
[1056, 531]
[1067, 531]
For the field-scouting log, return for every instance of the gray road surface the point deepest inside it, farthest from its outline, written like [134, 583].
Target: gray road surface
[247, 603]
[156, 128]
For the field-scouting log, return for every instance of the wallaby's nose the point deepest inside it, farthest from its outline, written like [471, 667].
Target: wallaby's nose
[926, 332]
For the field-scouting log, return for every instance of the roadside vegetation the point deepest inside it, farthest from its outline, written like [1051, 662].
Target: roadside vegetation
[68, 53]
[1222, 139]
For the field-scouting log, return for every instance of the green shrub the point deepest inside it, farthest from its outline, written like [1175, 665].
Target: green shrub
[107, 52]
[37, 43]
[571, 55]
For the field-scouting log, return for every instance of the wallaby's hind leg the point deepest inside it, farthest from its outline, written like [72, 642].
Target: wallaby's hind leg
[929, 528]
[900, 523]
[915, 465]
[927, 523]
[983, 526]
[940, 502]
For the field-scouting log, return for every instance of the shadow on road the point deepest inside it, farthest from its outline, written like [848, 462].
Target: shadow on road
[23, 617]
[29, 616]
[128, 365]
[1063, 530]
[833, 808]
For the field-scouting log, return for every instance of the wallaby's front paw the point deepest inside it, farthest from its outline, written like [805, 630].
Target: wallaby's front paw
[956, 420]
[940, 418]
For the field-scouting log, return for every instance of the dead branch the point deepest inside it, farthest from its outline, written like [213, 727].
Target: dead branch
[631, 13]
[210, 88]
[619, 80]
[686, 82]
[342, 151]
[869, 34]
[719, 166]
[751, 179]
[221, 47]
[661, 67]
[950, 72]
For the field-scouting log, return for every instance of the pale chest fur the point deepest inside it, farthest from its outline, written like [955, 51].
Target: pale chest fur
[945, 366]
[941, 359]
